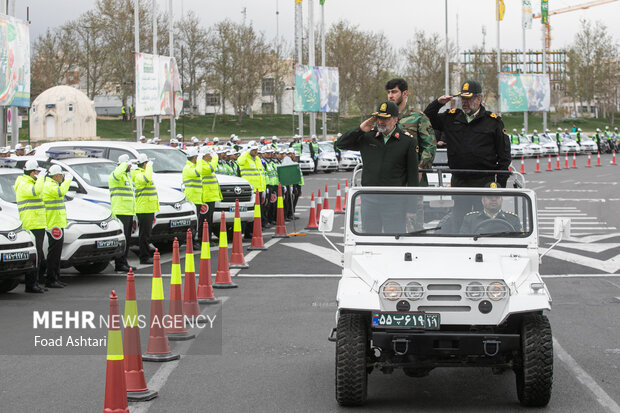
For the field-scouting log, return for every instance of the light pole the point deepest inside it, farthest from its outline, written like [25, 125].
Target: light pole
[292, 88]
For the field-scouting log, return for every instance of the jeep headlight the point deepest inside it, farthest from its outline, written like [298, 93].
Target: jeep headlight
[414, 290]
[474, 291]
[496, 291]
[392, 291]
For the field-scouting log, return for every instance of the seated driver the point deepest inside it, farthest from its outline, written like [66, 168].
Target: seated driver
[492, 210]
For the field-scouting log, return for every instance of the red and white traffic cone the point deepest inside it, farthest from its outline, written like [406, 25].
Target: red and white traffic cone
[237, 259]
[257, 231]
[115, 400]
[566, 161]
[338, 208]
[222, 278]
[312, 217]
[598, 159]
[537, 165]
[205, 286]
[549, 168]
[613, 158]
[319, 204]
[558, 167]
[574, 162]
[177, 330]
[522, 171]
[589, 164]
[346, 191]
[190, 302]
[280, 223]
[326, 199]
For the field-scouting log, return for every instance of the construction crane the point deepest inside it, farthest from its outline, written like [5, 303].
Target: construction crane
[582, 6]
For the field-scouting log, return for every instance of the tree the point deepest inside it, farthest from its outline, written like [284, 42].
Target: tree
[191, 54]
[54, 55]
[93, 53]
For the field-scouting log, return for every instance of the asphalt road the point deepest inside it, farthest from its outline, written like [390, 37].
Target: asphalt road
[274, 354]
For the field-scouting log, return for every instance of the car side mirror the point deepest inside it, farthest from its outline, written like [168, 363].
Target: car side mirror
[73, 186]
[561, 227]
[326, 220]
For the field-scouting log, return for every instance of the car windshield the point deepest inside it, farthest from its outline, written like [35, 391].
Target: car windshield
[95, 173]
[166, 160]
[545, 139]
[399, 214]
[6, 186]
[326, 147]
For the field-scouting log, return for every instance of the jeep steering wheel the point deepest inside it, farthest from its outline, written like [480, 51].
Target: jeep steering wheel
[494, 225]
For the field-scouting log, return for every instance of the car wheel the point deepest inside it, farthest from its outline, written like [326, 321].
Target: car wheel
[8, 285]
[92, 268]
[534, 366]
[351, 356]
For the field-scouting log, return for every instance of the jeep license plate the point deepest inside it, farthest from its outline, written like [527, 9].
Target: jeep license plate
[107, 243]
[15, 256]
[180, 223]
[241, 209]
[426, 321]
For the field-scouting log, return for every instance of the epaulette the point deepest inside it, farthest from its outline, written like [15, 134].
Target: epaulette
[408, 134]
[510, 213]
[493, 115]
[452, 111]
[472, 212]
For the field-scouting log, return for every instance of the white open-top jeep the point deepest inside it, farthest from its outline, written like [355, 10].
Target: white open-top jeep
[427, 283]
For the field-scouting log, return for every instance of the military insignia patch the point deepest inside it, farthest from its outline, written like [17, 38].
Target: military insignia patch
[466, 86]
[493, 115]
[493, 185]
[383, 107]
[453, 110]
[396, 135]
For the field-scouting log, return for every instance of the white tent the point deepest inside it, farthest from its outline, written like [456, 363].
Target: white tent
[62, 112]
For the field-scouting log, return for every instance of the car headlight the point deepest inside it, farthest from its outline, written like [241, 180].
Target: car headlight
[414, 290]
[496, 291]
[474, 291]
[392, 291]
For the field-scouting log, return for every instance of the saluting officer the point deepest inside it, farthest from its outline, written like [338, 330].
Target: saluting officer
[192, 187]
[147, 203]
[31, 209]
[211, 191]
[54, 190]
[251, 168]
[123, 205]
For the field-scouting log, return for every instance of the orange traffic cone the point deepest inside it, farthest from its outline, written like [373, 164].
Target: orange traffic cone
[589, 164]
[312, 217]
[338, 208]
[549, 168]
[613, 158]
[566, 161]
[574, 162]
[115, 387]
[222, 278]
[205, 287]
[326, 199]
[158, 348]
[190, 303]
[137, 391]
[598, 159]
[522, 171]
[319, 204]
[280, 225]
[557, 164]
[176, 330]
[537, 165]
[236, 258]
[346, 191]
[257, 230]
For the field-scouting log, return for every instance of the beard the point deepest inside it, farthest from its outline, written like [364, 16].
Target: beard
[383, 129]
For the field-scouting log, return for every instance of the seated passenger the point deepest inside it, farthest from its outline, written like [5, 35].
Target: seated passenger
[492, 210]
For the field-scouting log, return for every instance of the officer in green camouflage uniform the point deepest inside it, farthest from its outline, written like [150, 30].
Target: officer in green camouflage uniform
[416, 123]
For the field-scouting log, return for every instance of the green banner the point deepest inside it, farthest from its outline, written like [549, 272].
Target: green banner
[524, 92]
[544, 11]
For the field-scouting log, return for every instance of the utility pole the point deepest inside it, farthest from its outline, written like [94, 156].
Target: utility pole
[447, 63]
[299, 28]
[136, 30]
[324, 114]
[524, 23]
[499, 58]
[311, 61]
[154, 8]
[172, 97]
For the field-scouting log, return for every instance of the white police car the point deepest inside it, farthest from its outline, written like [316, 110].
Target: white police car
[349, 160]
[18, 254]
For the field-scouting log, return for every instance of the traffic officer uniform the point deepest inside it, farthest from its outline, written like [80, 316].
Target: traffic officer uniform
[210, 187]
[597, 139]
[272, 185]
[123, 205]
[53, 195]
[192, 188]
[251, 168]
[147, 203]
[314, 152]
[31, 209]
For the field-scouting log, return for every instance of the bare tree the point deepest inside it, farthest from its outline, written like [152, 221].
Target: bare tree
[54, 54]
[220, 59]
[191, 53]
[93, 53]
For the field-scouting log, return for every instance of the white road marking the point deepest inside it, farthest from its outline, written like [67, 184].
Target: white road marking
[573, 199]
[552, 217]
[581, 276]
[328, 254]
[571, 190]
[610, 266]
[580, 374]
[289, 275]
[557, 207]
[595, 183]
[574, 223]
[598, 247]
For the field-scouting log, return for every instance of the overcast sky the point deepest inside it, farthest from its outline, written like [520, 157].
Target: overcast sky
[396, 18]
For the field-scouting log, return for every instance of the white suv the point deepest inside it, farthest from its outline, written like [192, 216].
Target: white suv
[18, 254]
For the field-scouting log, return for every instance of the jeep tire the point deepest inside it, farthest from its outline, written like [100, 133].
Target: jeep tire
[351, 356]
[534, 366]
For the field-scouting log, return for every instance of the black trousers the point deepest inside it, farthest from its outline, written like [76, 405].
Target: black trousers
[208, 217]
[34, 277]
[127, 221]
[145, 224]
[54, 252]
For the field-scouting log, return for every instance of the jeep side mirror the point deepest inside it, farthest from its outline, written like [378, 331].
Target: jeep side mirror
[326, 220]
[561, 227]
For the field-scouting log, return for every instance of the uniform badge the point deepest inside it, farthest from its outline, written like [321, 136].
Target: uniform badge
[396, 135]
[466, 86]
[452, 111]
[493, 185]
[493, 115]
[383, 107]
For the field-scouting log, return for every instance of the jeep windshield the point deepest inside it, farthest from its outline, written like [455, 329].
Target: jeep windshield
[442, 213]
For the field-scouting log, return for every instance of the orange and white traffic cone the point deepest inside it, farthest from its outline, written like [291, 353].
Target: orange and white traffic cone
[115, 387]
[566, 161]
[537, 165]
[137, 391]
[176, 330]
[205, 287]
[589, 164]
[338, 208]
[326, 199]
[557, 164]
[319, 204]
[549, 168]
[522, 171]
[190, 302]
[280, 224]
[346, 191]
[574, 161]
[236, 258]
[598, 159]
[158, 348]
[222, 278]
[312, 217]
[257, 231]
[613, 158]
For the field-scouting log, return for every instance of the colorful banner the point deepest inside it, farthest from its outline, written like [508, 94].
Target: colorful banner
[527, 14]
[501, 9]
[524, 92]
[316, 89]
[14, 62]
[157, 77]
[544, 11]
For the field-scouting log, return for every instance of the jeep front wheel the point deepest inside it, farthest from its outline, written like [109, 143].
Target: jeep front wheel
[534, 367]
[351, 356]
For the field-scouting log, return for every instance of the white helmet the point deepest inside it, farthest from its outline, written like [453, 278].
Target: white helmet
[195, 139]
[559, 129]
[155, 140]
[173, 141]
[123, 158]
[514, 130]
[31, 165]
[262, 138]
[216, 139]
[579, 130]
[191, 152]
[235, 139]
[18, 146]
[274, 138]
[179, 136]
[149, 141]
[598, 130]
[142, 158]
[54, 170]
[142, 138]
[535, 130]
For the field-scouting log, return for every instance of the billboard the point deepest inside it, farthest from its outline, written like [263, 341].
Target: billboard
[316, 89]
[524, 92]
[155, 76]
[14, 62]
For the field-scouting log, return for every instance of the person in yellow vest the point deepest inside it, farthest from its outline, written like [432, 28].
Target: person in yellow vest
[54, 191]
[251, 168]
[122, 204]
[28, 189]
[192, 187]
[206, 165]
[147, 203]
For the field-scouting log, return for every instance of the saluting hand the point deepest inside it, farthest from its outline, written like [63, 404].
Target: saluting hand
[444, 99]
[368, 124]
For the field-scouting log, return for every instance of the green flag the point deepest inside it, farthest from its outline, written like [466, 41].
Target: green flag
[322, 2]
[544, 11]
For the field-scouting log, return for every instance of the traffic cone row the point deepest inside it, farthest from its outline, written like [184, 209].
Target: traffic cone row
[237, 260]
[557, 164]
[312, 225]
[177, 330]
[222, 277]
[566, 161]
[205, 287]
[549, 168]
[326, 199]
[537, 165]
[257, 230]
[280, 223]
[589, 164]
[574, 161]
[190, 303]
[338, 209]
[613, 159]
